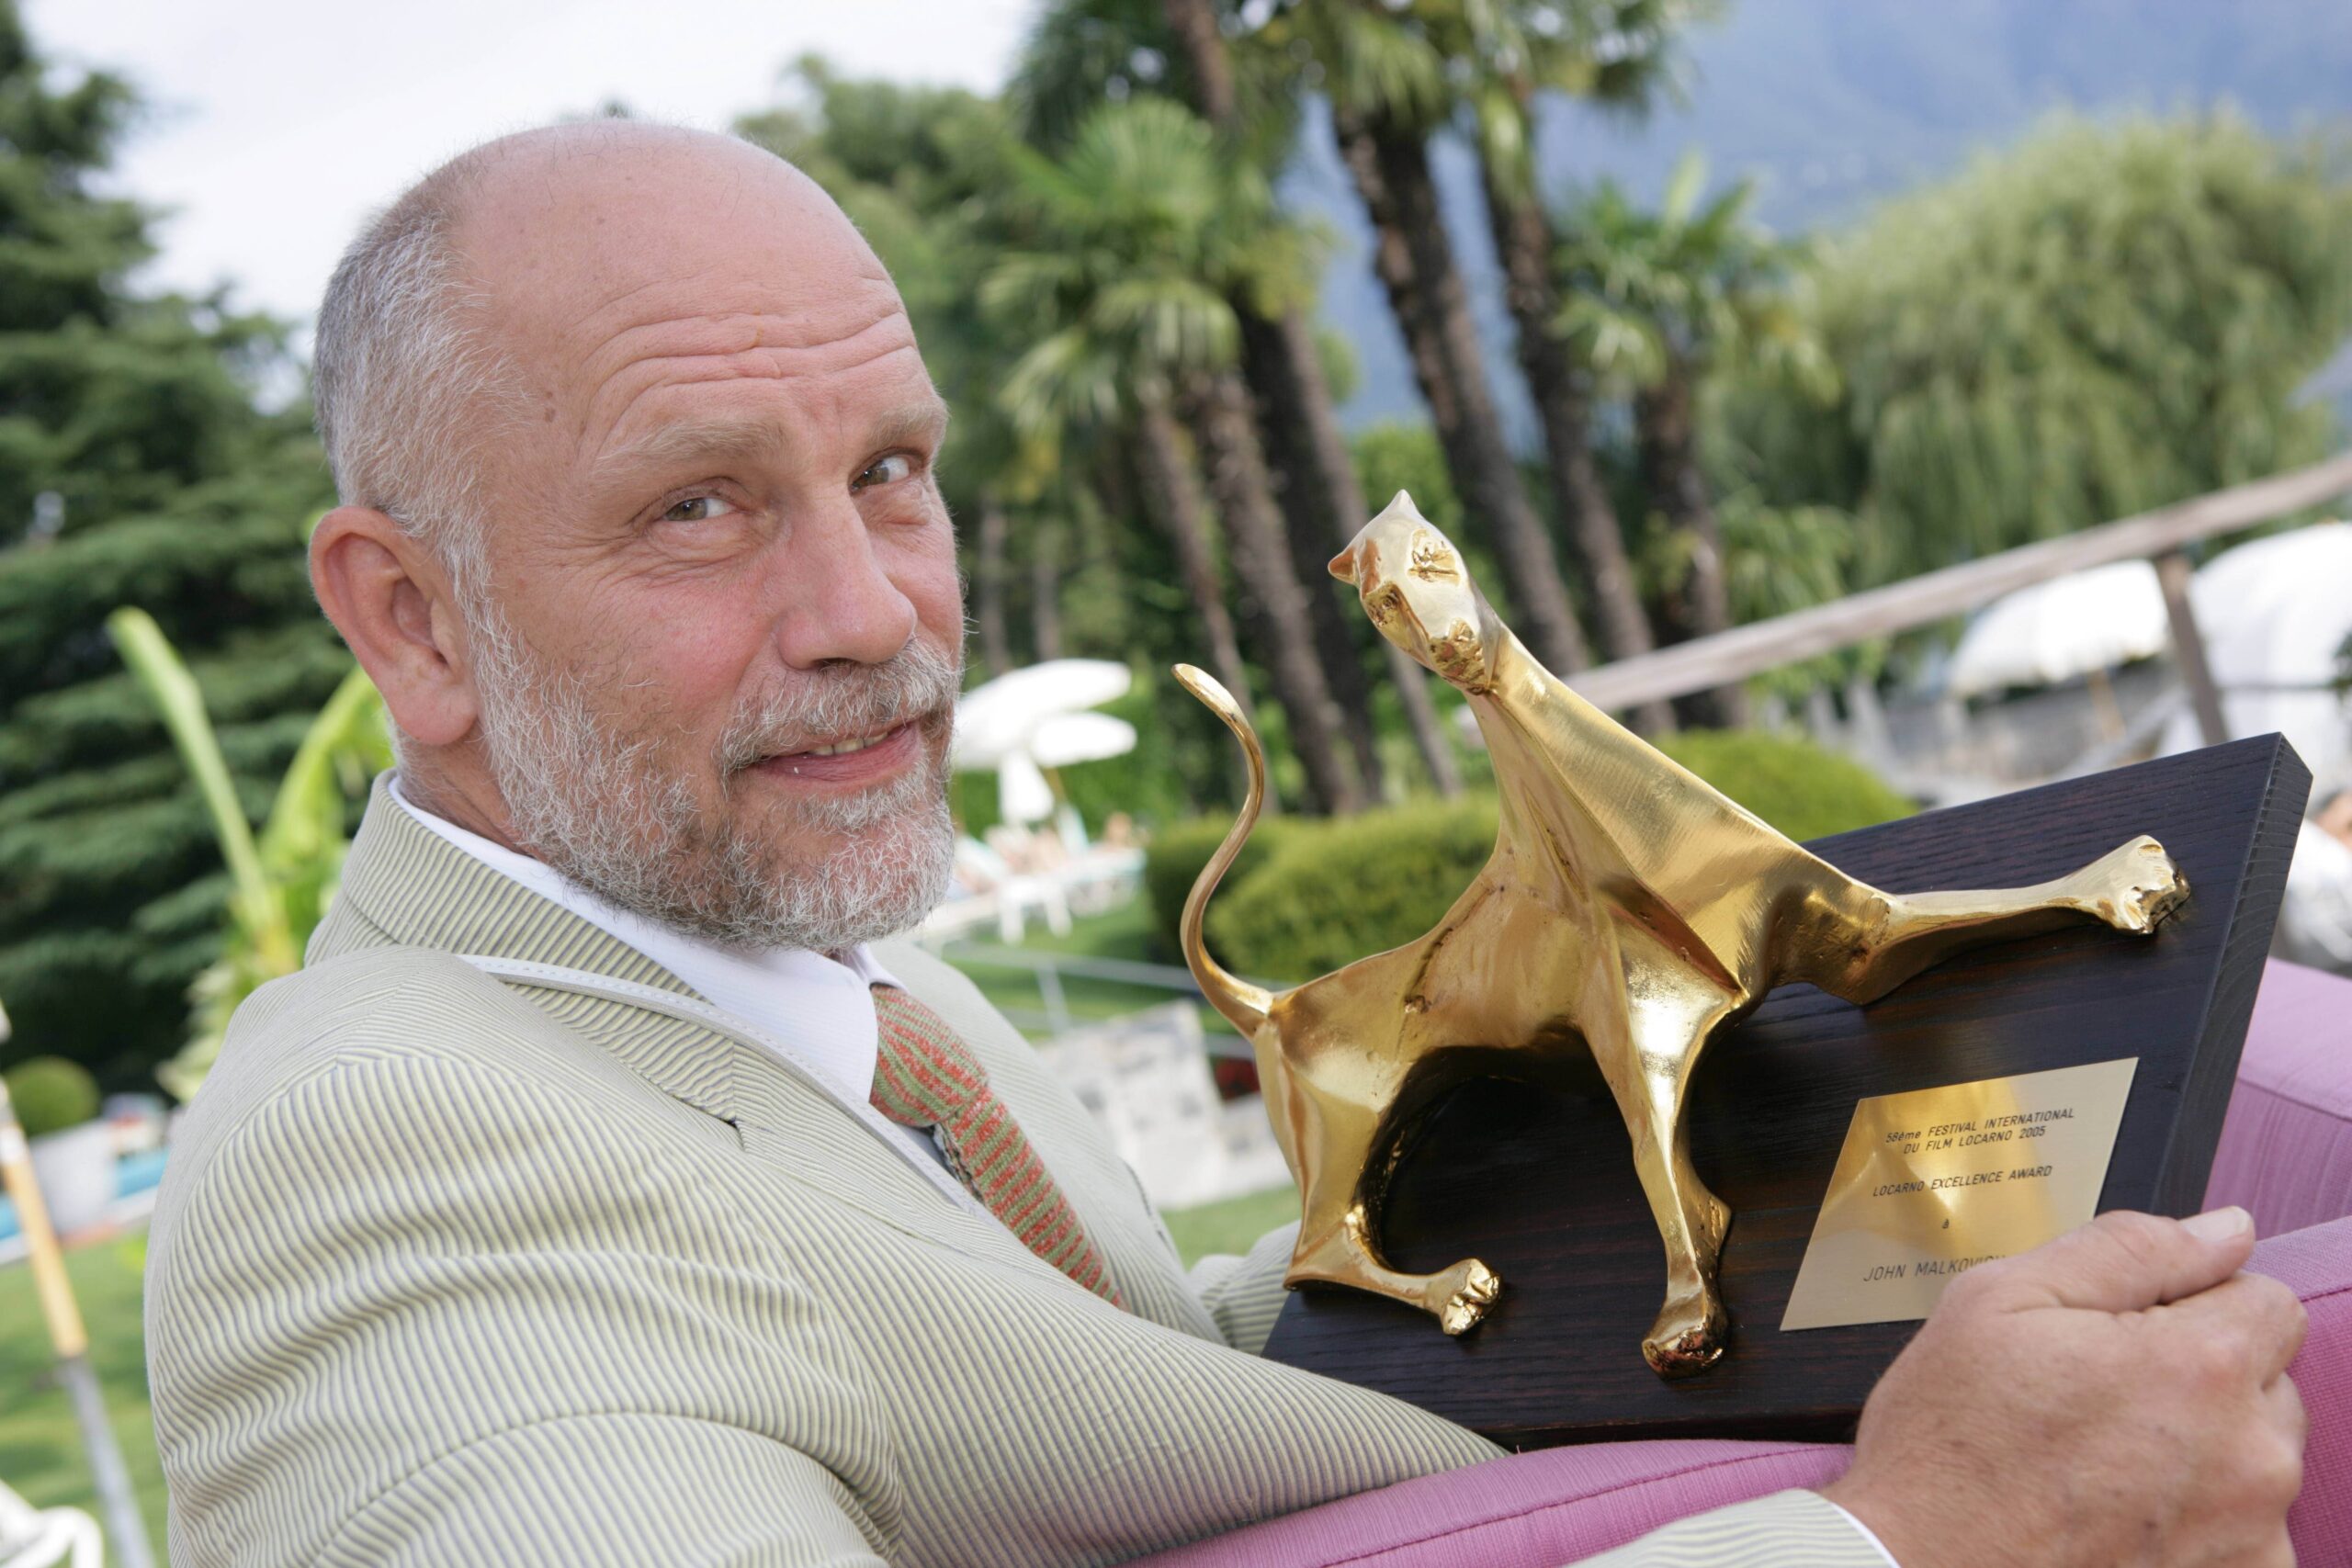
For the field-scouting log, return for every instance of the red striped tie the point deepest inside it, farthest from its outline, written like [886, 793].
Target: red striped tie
[926, 1076]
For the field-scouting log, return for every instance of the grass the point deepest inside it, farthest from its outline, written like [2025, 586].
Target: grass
[1232, 1225]
[40, 1446]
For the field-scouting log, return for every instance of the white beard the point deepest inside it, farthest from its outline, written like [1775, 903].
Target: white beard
[608, 812]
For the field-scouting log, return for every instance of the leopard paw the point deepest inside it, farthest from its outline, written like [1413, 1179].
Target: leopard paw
[1475, 1288]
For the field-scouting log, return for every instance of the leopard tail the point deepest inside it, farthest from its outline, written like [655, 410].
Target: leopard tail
[1243, 1003]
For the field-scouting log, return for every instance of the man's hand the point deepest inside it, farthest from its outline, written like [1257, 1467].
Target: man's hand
[2117, 1397]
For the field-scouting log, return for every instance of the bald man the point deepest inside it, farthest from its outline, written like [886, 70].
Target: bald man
[610, 1188]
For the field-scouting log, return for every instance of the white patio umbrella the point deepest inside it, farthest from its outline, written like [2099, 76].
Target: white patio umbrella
[1002, 715]
[2071, 626]
[1024, 791]
[1022, 794]
[1031, 719]
[2274, 613]
[1068, 737]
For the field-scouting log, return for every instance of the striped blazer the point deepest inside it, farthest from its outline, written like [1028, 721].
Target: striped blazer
[457, 1268]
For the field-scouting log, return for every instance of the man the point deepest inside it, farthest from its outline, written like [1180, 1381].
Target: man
[608, 1191]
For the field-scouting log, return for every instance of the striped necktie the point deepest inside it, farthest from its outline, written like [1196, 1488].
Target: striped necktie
[926, 1076]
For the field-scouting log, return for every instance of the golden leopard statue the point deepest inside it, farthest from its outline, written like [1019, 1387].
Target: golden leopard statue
[1628, 910]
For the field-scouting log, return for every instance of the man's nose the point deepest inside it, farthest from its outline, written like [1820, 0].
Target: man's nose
[837, 600]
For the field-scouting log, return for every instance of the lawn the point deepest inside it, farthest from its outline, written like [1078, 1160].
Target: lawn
[1233, 1226]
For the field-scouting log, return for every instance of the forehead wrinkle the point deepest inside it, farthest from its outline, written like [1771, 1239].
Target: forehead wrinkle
[735, 332]
[758, 438]
[734, 369]
[733, 355]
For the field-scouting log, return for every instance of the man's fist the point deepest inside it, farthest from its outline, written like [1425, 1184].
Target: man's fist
[2117, 1397]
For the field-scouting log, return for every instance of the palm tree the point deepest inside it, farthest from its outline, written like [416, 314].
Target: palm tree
[988, 586]
[1079, 53]
[1655, 300]
[1388, 85]
[1611, 51]
[1146, 235]
[1300, 419]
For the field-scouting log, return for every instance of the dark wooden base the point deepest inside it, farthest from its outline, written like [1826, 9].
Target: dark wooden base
[1540, 1184]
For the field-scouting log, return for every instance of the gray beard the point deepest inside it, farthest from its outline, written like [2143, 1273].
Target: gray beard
[604, 810]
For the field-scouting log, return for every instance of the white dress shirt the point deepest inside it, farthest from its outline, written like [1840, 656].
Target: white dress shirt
[819, 1007]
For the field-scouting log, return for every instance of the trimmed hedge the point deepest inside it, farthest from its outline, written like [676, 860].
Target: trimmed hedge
[1336, 891]
[1175, 859]
[1804, 791]
[1308, 896]
[52, 1094]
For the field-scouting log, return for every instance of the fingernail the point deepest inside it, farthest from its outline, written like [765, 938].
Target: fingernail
[2220, 1224]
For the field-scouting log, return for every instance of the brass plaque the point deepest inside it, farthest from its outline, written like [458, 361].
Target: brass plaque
[1933, 1182]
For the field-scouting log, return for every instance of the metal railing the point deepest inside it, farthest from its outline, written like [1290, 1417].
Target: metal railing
[1048, 969]
[2160, 535]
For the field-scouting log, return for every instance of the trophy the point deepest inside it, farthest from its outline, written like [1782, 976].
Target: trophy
[1632, 925]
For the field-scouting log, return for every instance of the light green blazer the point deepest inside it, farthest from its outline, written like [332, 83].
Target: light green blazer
[447, 1270]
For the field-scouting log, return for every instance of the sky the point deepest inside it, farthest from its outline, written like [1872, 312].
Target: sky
[274, 126]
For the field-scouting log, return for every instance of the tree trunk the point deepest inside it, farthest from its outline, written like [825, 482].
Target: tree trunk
[987, 587]
[1322, 505]
[1171, 492]
[1125, 476]
[1343, 515]
[1253, 532]
[1303, 496]
[1045, 588]
[1288, 373]
[1415, 260]
[1665, 430]
[1194, 24]
[1524, 242]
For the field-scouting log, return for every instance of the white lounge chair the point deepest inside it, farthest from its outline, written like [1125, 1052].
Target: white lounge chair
[42, 1537]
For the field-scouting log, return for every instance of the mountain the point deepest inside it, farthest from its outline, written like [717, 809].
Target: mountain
[1833, 105]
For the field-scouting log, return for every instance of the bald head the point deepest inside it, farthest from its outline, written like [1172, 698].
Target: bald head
[435, 326]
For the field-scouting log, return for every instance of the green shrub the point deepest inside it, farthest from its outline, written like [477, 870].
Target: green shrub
[1334, 892]
[52, 1094]
[1173, 864]
[1329, 892]
[1795, 785]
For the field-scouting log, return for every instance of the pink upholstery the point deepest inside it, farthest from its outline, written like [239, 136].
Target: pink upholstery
[2286, 1154]
[1534, 1510]
[2286, 1150]
[2318, 1263]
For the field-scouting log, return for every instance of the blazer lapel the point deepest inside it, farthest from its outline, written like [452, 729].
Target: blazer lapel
[404, 884]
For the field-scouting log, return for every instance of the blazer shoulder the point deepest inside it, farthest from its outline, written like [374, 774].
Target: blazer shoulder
[378, 1003]
[381, 1008]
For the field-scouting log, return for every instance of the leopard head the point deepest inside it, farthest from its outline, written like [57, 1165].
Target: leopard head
[1417, 589]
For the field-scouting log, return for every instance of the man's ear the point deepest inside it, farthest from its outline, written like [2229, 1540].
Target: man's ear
[395, 606]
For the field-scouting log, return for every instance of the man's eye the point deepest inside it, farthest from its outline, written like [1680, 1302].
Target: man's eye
[698, 509]
[886, 470]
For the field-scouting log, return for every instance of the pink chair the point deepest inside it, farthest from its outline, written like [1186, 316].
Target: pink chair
[2286, 1154]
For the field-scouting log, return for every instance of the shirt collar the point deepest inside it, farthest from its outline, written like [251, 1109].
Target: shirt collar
[821, 1006]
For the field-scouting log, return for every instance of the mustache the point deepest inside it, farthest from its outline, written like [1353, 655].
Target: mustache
[917, 684]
